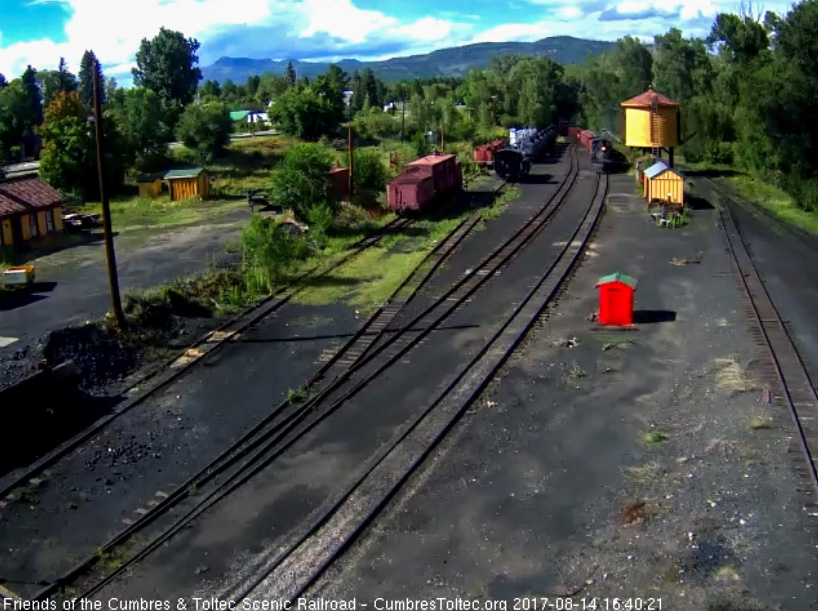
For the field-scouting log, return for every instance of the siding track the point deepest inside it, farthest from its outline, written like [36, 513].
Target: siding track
[796, 388]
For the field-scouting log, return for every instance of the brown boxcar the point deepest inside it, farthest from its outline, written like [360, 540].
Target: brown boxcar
[442, 169]
[339, 182]
[481, 154]
[458, 173]
[412, 190]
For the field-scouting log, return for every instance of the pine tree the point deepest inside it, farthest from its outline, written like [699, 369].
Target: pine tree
[290, 74]
[88, 64]
[67, 81]
[34, 100]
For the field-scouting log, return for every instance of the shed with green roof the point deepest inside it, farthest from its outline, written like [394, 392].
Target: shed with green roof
[188, 183]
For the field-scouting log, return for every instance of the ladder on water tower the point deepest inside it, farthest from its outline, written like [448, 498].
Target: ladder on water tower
[654, 127]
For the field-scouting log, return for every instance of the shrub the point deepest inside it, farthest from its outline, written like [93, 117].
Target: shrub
[369, 170]
[269, 253]
[301, 181]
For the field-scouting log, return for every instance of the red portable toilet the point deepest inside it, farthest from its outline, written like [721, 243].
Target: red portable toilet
[616, 299]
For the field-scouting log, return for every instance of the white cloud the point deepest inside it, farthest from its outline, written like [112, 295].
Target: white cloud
[127, 22]
[114, 28]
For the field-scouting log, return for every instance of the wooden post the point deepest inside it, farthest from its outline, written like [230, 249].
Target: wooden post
[351, 162]
[113, 278]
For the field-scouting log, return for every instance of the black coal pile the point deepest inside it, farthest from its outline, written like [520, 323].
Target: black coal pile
[100, 356]
[17, 365]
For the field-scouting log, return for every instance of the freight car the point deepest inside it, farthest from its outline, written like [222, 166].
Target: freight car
[423, 183]
[484, 154]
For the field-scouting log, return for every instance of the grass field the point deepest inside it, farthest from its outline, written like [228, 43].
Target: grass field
[369, 279]
[773, 200]
[140, 214]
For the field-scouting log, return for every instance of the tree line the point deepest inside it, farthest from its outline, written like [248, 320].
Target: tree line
[748, 91]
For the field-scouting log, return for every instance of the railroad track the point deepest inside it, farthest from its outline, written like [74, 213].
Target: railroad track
[345, 357]
[268, 440]
[797, 389]
[292, 572]
[175, 366]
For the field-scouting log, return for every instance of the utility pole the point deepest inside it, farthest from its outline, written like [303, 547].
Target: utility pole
[113, 279]
[351, 162]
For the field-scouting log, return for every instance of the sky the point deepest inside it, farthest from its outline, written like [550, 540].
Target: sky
[39, 32]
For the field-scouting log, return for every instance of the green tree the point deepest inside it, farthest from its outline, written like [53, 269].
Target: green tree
[301, 181]
[290, 75]
[211, 90]
[205, 129]
[34, 101]
[168, 66]
[141, 125]
[13, 110]
[68, 160]
[310, 111]
[88, 65]
[53, 81]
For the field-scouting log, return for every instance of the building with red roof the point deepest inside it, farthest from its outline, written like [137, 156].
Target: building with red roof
[29, 208]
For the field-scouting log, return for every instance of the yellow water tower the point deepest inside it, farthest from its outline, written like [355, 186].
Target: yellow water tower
[652, 123]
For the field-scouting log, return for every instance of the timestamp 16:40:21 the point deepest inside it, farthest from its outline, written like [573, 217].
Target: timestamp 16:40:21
[587, 604]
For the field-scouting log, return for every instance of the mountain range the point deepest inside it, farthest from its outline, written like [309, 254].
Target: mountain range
[453, 61]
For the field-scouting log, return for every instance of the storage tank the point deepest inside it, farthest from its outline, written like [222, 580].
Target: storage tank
[651, 121]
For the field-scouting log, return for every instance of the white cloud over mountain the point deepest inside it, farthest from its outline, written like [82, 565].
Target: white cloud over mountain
[321, 29]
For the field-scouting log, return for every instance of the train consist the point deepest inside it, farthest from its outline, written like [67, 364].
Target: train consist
[423, 182]
[524, 147]
[601, 149]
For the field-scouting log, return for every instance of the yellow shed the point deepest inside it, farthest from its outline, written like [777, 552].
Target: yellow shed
[184, 184]
[663, 184]
[651, 121]
[150, 185]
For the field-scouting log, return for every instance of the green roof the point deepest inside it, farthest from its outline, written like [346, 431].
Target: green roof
[239, 115]
[188, 173]
[618, 277]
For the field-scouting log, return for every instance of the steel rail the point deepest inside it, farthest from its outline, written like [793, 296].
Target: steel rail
[451, 390]
[290, 423]
[255, 313]
[241, 447]
[778, 341]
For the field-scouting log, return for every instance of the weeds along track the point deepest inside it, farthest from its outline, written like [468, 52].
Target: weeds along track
[292, 572]
[165, 373]
[796, 388]
[344, 357]
[291, 421]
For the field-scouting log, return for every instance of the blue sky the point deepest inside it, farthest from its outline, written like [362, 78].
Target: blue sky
[39, 32]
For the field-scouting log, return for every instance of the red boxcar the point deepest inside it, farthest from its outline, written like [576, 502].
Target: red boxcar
[458, 173]
[481, 154]
[442, 168]
[339, 182]
[412, 190]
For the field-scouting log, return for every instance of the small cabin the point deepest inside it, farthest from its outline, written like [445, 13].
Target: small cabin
[187, 184]
[663, 184]
[150, 185]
